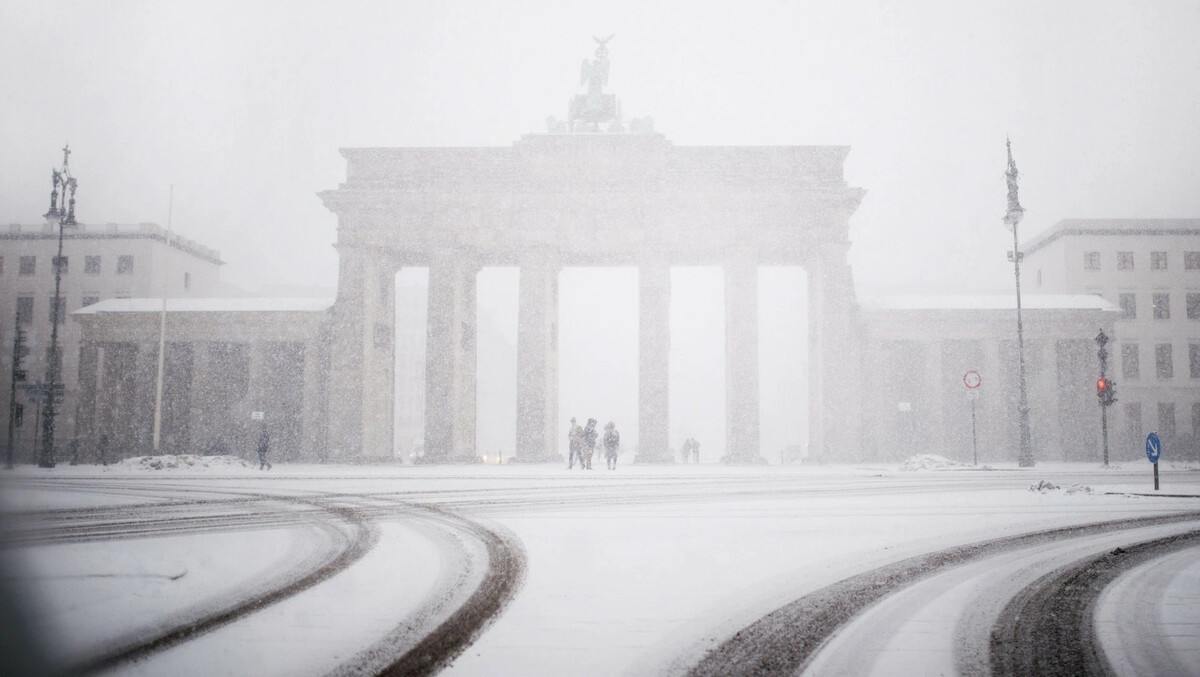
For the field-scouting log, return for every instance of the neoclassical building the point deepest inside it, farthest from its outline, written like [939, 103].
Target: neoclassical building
[555, 199]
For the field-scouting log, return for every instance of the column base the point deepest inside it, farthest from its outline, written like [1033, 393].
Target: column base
[654, 459]
[743, 460]
[447, 460]
[530, 460]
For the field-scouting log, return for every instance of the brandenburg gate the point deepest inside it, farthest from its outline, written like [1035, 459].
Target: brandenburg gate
[579, 196]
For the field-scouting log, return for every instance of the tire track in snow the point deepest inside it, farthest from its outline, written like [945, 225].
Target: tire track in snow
[1049, 627]
[460, 613]
[785, 640]
[349, 548]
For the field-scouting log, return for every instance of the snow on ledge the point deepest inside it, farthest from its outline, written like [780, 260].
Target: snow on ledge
[217, 305]
[989, 302]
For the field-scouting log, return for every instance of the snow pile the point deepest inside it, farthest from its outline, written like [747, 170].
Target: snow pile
[932, 462]
[1044, 487]
[183, 461]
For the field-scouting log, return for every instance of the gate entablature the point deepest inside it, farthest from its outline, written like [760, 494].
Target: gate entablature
[597, 198]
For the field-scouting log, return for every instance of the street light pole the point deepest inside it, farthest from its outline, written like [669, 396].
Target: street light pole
[1012, 219]
[66, 217]
[1102, 341]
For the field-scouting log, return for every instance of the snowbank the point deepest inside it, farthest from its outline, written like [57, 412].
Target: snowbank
[931, 462]
[1043, 487]
[182, 461]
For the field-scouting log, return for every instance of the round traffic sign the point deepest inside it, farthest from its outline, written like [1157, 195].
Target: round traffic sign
[972, 379]
[1153, 447]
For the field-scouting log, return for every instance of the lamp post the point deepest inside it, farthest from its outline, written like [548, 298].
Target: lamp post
[1104, 390]
[1012, 219]
[66, 217]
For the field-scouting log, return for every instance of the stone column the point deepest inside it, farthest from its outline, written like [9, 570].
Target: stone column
[362, 362]
[654, 367]
[315, 406]
[741, 360]
[537, 361]
[450, 360]
[85, 414]
[835, 370]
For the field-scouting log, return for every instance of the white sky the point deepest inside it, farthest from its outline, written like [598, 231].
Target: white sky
[243, 105]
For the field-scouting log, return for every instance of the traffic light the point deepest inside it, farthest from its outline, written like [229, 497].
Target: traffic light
[1106, 391]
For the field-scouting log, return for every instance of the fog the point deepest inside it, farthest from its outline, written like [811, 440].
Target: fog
[243, 105]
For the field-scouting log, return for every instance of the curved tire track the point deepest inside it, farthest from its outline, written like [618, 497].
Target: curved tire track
[1049, 628]
[188, 625]
[785, 640]
[404, 651]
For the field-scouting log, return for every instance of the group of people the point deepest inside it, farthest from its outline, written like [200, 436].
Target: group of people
[582, 444]
[690, 448]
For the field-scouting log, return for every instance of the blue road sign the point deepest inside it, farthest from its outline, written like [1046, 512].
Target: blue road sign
[1153, 447]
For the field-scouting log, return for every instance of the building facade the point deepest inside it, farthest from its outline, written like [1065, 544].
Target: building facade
[919, 351]
[233, 367]
[1150, 269]
[100, 261]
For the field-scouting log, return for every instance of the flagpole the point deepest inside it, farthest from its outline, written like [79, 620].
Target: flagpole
[162, 329]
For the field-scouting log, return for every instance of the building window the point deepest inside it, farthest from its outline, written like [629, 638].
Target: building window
[1193, 306]
[61, 264]
[1129, 361]
[1124, 260]
[1091, 260]
[1133, 420]
[1158, 260]
[1166, 419]
[24, 310]
[1162, 306]
[28, 265]
[90, 300]
[57, 306]
[1196, 420]
[125, 264]
[1194, 359]
[1128, 306]
[187, 280]
[91, 265]
[1164, 365]
[1191, 260]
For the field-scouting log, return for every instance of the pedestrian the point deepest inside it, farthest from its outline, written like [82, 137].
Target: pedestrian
[612, 441]
[589, 441]
[264, 443]
[695, 451]
[102, 449]
[685, 451]
[575, 445]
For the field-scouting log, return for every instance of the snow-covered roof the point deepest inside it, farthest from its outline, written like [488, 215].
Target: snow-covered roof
[988, 302]
[218, 305]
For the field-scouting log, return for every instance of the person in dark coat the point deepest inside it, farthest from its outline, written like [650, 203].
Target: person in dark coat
[102, 449]
[264, 444]
[612, 441]
[589, 441]
[575, 445]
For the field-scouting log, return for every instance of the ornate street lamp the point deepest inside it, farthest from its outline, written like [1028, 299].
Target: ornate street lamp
[1012, 219]
[65, 211]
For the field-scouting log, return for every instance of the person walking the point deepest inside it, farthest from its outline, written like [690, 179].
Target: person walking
[264, 444]
[612, 441]
[102, 449]
[575, 445]
[695, 451]
[589, 441]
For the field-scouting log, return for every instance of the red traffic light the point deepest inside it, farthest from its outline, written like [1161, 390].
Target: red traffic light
[1101, 384]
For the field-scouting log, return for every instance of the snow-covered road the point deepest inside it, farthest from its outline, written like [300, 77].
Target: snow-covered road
[646, 570]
